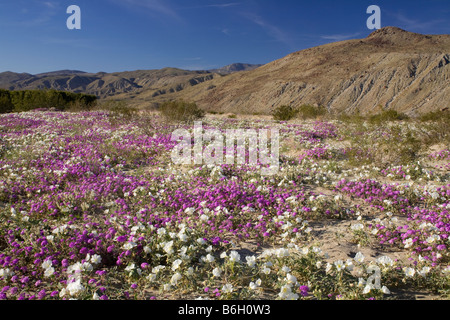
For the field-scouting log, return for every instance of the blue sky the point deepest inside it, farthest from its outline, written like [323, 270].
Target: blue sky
[120, 35]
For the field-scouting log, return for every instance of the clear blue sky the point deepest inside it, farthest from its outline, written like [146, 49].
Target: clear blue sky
[120, 35]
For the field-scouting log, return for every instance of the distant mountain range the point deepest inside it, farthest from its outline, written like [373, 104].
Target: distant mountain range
[391, 68]
[102, 84]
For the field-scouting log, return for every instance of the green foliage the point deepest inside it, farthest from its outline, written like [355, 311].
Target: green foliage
[436, 116]
[119, 108]
[307, 111]
[284, 113]
[388, 115]
[181, 111]
[21, 101]
[6, 104]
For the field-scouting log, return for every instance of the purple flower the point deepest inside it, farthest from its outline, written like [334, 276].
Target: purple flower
[122, 238]
[304, 290]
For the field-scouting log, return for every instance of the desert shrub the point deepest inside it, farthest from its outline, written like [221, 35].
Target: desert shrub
[435, 116]
[181, 111]
[118, 108]
[35, 99]
[388, 115]
[5, 102]
[402, 147]
[284, 113]
[307, 111]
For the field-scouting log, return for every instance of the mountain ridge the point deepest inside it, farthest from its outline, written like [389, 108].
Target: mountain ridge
[391, 68]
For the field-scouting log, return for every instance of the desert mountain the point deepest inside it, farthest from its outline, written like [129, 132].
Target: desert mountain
[392, 68]
[128, 83]
[105, 85]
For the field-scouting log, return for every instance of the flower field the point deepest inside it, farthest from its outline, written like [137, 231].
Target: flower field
[92, 207]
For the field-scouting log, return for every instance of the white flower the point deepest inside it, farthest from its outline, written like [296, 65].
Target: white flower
[290, 279]
[409, 272]
[357, 227]
[408, 243]
[209, 258]
[176, 264]
[385, 290]
[62, 293]
[182, 236]
[151, 277]
[156, 269]
[282, 252]
[340, 265]
[251, 261]
[265, 270]
[328, 267]
[228, 288]
[286, 269]
[223, 255]
[433, 238]
[361, 282]
[317, 250]
[77, 268]
[190, 271]
[255, 285]
[167, 287]
[235, 256]
[6, 273]
[147, 249]
[424, 271]
[49, 272]
[217, 272]
[201, 241]
[129, 245]
[385, 261]
[75, 287]
[87, 266]
[168, 247]
[368, 288]
[175, 278]
[96, 259]
[359, 257]
[349, 265]
[285, 292]
[46, 264]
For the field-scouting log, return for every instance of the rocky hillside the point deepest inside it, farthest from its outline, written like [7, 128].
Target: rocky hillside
[391, 68]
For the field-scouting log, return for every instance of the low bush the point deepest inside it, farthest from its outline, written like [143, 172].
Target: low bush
[388, 115]
[284, 113]
[181, 111]
[307, 111]
[21, 101]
